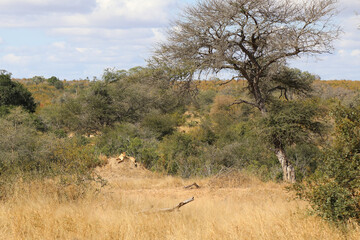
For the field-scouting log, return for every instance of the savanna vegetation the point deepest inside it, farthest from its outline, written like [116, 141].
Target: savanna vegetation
[243, 139]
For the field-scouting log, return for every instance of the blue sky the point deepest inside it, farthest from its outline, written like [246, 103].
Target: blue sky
[74, 39]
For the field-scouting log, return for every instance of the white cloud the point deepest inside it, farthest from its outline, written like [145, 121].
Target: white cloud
[90, 51]
[355, 53]
[84, 36]
[25, 7]
[350, 2]
[81, 50]
[61, 45]
[16, 59]
[84, 13]
[341, 52]
[112, 35]
[53, 58]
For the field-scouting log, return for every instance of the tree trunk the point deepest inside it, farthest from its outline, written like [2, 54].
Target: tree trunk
[288, 169]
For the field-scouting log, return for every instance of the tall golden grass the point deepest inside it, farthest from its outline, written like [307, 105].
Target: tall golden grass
[237, 206]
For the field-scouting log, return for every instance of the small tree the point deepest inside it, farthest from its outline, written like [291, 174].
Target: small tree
[253, 39]
[54, 81]
[14, 94]
[38, 79]
[289, 123]
[89, 112]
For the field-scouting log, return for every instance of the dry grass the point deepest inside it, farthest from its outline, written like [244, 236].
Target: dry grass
[233, 207]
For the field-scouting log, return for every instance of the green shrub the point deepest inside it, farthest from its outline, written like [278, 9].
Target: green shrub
[204, 100]
[177, 154]
[73, 156]
[305, 158]
[131, 139]
[4, 110]
[26, 153]
[54, 81]
[334, 202]
[334, 191]
[161, 124]
[14, 94]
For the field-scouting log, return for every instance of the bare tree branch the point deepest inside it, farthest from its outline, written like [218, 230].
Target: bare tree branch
[282, 89]
[240, 101]
[250, 37]
[228, 81]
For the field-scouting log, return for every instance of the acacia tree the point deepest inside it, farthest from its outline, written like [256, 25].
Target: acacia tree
[253, 39]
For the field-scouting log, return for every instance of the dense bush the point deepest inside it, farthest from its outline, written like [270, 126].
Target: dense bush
[27, 153]
[54, 81]
[131, 139]
[162, 124]
[122, 96]
[205, 99]
[179, 154]
[14, 94]
[334, 190]
[305, 157]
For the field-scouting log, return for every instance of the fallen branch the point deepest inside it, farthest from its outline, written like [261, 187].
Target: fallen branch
[169, 209]
[178, 206]
[192, 185]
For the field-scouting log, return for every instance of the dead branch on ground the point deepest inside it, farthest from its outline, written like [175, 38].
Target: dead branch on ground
[177, 207]
[192, 185]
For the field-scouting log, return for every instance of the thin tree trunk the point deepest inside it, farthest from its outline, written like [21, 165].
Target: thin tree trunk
[288, 169]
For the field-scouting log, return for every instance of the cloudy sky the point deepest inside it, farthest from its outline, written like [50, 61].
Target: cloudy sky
[74, 39]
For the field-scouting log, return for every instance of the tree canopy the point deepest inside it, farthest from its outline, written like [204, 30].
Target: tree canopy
[14, 94]
[252, 38]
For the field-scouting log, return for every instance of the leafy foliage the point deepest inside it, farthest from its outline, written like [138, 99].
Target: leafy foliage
[290, 122]
[334, 192]
[162, 124]
[179, 155]
[54, 81]
[14, 94]
[27, 153]
[129, 138]
[122, 96]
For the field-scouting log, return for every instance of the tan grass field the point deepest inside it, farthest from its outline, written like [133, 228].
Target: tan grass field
[230, 206]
